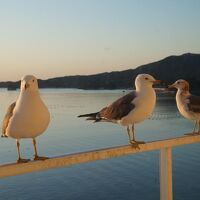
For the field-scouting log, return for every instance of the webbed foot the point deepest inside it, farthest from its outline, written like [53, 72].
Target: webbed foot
[40, 158]
[134, 145]
[192, 134]
[22, 160]
[139, 142]
[4, 136]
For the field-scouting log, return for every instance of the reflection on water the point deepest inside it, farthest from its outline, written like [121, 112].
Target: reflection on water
[128, 177]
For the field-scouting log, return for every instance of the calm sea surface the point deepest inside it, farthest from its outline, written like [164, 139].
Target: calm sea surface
[124, 178]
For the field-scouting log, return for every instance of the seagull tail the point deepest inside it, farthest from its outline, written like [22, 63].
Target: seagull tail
[91, 116]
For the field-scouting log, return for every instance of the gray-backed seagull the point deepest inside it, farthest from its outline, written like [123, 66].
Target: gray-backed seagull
[188, 104]
[132, 108]
[28, 117]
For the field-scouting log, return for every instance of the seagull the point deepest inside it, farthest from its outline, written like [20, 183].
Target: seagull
[28, 117]
[130, 109]
[188, 104]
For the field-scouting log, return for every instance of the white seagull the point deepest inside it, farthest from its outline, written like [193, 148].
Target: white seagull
[188, 104]
[132, 108]
[28, 117]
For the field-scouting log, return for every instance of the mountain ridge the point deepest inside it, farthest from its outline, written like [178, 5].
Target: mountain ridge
[169, 69]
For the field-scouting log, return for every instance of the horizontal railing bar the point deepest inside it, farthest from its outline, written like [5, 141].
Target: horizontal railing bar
[13, 169]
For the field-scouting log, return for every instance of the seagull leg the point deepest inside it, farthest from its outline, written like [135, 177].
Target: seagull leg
[199, 128]
[134, 144]
[195, 125]
[133, 133]
[20, 160]
[129, 137]
[193, 132]
[36, 157]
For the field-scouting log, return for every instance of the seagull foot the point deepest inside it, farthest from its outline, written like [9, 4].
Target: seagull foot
[22, 160]
[139, 142]
[134, 144]
[4, 136]
[191, 134]
[40, 158]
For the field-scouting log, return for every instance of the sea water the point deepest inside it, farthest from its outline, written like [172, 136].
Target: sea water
[124, 178]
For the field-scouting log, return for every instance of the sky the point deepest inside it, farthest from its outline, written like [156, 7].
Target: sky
[51, 38]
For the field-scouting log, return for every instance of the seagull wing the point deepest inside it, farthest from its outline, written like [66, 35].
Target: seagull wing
[193, 103]
[7, 118]
[118, 108]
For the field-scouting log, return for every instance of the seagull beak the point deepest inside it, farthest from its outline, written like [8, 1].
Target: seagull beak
[156, 81]
[172, 86]
[26, 86]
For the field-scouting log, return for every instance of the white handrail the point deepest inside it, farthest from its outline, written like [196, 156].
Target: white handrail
[165, 146]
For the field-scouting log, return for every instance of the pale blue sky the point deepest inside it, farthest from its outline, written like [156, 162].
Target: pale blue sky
[51, 38]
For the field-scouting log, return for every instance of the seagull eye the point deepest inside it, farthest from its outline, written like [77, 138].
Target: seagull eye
[33, 80]
[178, 82]
[146, 78]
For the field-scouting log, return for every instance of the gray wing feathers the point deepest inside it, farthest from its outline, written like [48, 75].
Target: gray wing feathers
[118, 108]
[7, 118]
[115, 111]
[194, 103]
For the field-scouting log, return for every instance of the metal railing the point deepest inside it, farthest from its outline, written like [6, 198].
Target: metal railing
[165, 147]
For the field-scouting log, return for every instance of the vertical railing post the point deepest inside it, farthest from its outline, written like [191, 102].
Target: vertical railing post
[166, 174]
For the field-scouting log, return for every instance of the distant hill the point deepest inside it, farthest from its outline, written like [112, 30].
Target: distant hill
[169, 69]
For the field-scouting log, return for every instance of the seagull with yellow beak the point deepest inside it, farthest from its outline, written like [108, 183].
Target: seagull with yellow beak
[28, 117]
[130, 109]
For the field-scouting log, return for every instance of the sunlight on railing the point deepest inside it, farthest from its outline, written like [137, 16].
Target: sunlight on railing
[165, 147]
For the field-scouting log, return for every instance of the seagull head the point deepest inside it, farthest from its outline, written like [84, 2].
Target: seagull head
[29, 83]
[180, 84]
[145, 80]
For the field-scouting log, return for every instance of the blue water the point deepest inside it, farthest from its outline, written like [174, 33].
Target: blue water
[129, 177]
